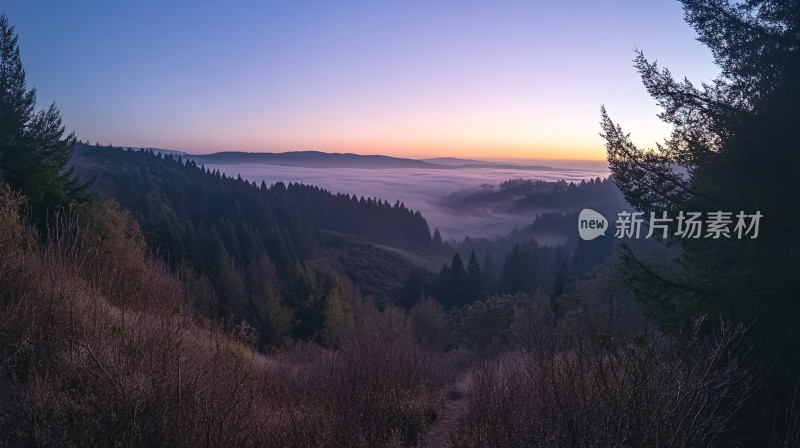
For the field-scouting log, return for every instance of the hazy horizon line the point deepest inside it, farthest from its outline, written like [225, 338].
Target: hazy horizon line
[389, 154]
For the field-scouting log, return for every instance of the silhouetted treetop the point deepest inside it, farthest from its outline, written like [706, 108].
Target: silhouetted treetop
[34, 152]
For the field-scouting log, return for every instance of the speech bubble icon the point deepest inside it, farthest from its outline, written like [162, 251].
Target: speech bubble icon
[591, 224]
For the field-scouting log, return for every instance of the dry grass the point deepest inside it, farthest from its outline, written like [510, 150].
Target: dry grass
[100, 348]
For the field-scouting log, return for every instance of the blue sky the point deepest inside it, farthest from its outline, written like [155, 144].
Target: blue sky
[495, 79]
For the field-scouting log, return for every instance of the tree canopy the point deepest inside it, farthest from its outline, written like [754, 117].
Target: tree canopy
[34, 152]
[733, 147]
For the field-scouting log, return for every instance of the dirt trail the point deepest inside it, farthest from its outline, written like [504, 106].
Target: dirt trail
[439, 433]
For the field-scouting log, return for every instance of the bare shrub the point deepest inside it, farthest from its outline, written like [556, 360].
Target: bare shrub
[786, 421]
[429, 323]
[604, 298]
[16, 236]
[376, 390]
[576, 387]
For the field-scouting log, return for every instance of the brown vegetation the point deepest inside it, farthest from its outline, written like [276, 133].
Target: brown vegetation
[100, 346]
[578, 388]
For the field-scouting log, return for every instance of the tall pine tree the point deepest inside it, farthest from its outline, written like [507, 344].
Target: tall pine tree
[34, 152]
[734, 147]
[457, 294]
[475, 288]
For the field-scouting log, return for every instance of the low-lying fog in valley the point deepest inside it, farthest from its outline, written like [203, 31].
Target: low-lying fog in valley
[420, 189]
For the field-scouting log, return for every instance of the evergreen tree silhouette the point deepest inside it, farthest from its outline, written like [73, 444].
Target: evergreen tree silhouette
[34, 152]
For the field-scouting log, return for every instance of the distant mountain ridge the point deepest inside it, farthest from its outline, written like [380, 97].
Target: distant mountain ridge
[320, 159]
[457, 161]
[313, 159]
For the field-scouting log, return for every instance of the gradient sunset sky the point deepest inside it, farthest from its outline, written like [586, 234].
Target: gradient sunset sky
[492, 79]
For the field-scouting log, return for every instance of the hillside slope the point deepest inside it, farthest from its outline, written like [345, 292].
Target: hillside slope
[244, 242]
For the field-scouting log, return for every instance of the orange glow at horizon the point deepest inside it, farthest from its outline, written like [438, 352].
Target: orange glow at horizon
[421, 151]
[481, 126]
[415, 150]
[503, 136]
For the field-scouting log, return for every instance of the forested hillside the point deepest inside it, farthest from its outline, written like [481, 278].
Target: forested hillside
[276, 255]
[253, 250]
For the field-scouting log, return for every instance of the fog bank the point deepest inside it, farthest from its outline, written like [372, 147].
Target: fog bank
[419, 189]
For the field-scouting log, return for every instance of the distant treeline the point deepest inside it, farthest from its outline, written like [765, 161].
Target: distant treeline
[562, 194]
[517, 264]
[519, 195]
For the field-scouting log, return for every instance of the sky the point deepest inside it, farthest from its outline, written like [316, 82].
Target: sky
[491, 79]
